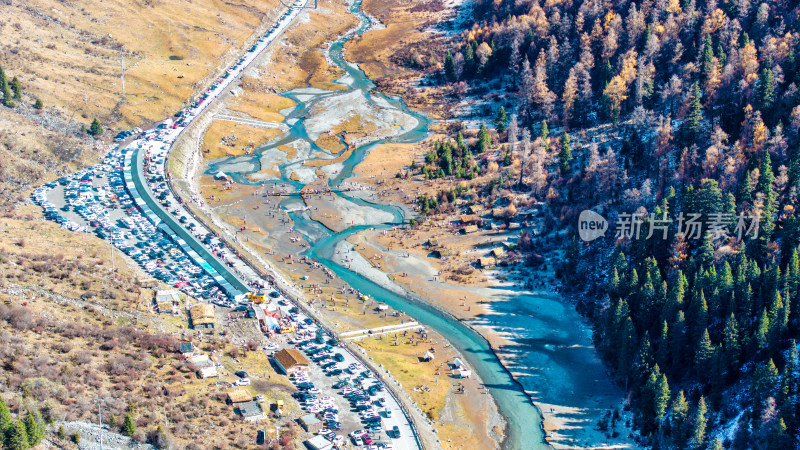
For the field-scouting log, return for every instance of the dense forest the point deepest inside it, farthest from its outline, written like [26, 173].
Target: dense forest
[677, 121]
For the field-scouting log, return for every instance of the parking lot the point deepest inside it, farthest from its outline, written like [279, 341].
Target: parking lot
[339, 386]
[125, 199]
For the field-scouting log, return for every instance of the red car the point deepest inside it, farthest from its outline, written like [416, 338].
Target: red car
[367, 439]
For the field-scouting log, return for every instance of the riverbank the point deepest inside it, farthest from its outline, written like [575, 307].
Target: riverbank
[278, 228]
[556, 363]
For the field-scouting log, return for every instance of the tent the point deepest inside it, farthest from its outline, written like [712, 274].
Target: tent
[462, 373]
[428, 356]
[220, 176]
[458, 363]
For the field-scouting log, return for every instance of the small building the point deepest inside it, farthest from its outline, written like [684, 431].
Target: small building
[311, 423]
[498, 252]
[235, 396]
[469, 229]
[265, 320]
[148, 283]
[207, 372]
[204, 366]
[487, 262]
[168, 302]
[477, 209]
[290, 360]
[470, 219]
[318, 443]
[202, 315]
[187, 349]
[250, 411]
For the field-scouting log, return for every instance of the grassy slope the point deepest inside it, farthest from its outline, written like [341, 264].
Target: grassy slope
[69, 54]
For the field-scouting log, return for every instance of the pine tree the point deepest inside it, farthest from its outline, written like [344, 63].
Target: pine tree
[779, 438]
[16, 438]
[565, 155]
[613, 284]
[34, 428]
[484, 139]
[16, 87]
[765, 382]
[730, 343]
[765, 90]
[95, 129]
[38, 104]
[661, 400]
[698, 311]
[5, 417]
[761, 337]
[770, 206]
[4, 89]
[698, 436]
[679, 414]
[662, 353]
[695, 115]
[790, 386]
[501, 121]
[717, 377]
[469, 61]
[449, 68]
[717, 445]
[708, 56]
[703, 354]
[746, 189]
[545, 135]
[678, 341]
[128, 427]
[3, 80]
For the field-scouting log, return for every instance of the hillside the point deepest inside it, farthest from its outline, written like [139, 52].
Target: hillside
[649, 114]
[72, 329]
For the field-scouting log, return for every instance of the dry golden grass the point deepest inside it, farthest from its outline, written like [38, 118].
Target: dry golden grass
[403, 19]
[32, 155]
[239, 222]
[247, 137]
[329, 141]
[69, 53]
[209, 186]
[80, 348]
[385, 161]
[402, 361]
[301, 63]
[353, 127]
[291, 152]
[260, 105]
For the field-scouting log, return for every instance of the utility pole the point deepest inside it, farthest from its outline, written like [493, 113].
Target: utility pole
[100, 421]
[122, 63]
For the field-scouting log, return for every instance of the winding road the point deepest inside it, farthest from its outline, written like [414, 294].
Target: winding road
[148, 155]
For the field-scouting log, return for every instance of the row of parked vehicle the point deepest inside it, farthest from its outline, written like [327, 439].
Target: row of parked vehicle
[98, 196]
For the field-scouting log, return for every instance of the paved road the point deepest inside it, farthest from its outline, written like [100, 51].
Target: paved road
[146, 160]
